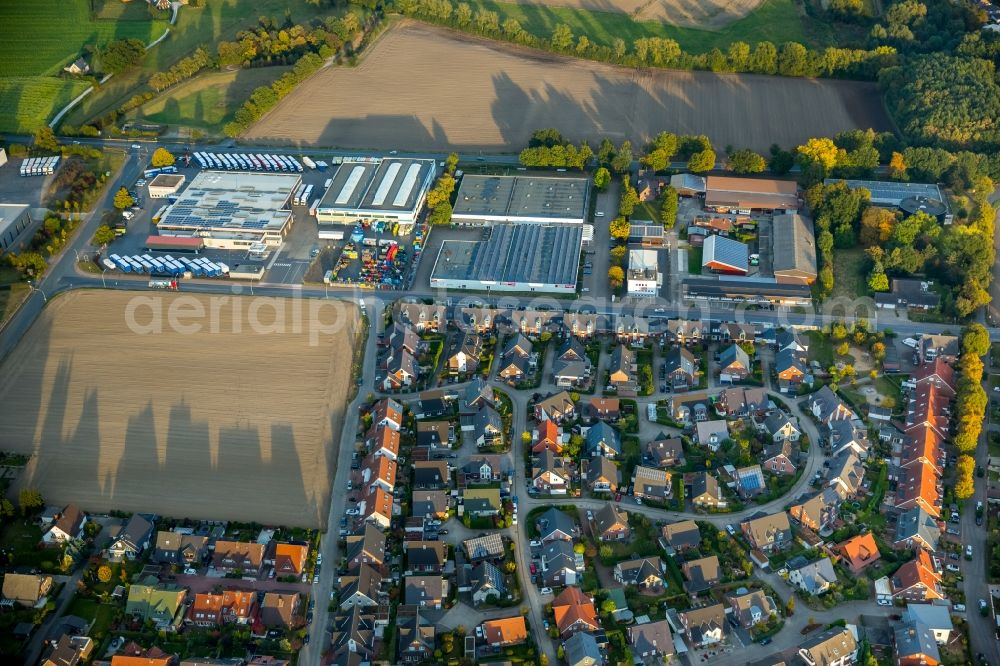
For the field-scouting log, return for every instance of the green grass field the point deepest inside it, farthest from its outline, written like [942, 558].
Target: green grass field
[695, 255]
[776, 20]
[209, 101]
[27, 102]
[196, 26]
[849, 280]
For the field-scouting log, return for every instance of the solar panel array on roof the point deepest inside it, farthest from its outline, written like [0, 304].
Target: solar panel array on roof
[725, 251]
[887, 193]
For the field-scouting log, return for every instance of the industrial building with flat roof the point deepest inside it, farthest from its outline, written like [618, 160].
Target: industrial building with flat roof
[164, 185]
[747, 194]
[908, 197]
[757, 291]
[793, 249]
[515, 257]
[542, 199]
[233, 209]
[643, 278]
[389, 190]
[15, 222]
[725, 255]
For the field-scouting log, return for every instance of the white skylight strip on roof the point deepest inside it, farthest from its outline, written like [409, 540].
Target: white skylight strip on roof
[383, 188]
[350, 185]
[409, 182]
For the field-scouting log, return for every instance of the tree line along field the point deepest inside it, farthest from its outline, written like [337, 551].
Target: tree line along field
[777, 21]
[236, 425]
[707, 14]
[496, 95]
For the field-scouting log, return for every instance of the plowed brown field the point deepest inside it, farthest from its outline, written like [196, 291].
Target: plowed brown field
[237, 424]
[426, 88]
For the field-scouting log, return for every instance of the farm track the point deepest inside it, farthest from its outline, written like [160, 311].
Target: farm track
[232, 424]
[496, 94]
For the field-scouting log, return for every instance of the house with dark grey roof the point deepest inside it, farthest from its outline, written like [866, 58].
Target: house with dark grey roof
[488, 584]
[487, 547]
[131, 539]
[681, 368]
[651, 642]
[484, 427]
[602, 440]
[704, 490]
[582, 649]
[402, 337]
[572, 366]
[664, 452]
[682, 536]
[556, 525]
[426, 556]
[559, 564]
[915, 528]
[734, 364]
[813, 578]
[644, 572]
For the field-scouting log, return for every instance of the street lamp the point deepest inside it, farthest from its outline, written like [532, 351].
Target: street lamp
[34, 288]
[104, 283]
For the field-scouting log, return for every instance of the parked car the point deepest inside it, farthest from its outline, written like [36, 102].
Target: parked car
[958, 608]
[548, 590]
[535, 543]
[968, 551]
[954, 568]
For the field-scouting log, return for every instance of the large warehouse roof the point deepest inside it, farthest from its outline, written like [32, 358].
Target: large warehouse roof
[721, 253]
[760, 193]
[522, 199]
[892, 194]
[794, 247]
[522, 253]
[392, 185]
[232, 201]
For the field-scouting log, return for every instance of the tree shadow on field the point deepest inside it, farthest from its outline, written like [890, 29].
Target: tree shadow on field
[742, 110]
[403, 132]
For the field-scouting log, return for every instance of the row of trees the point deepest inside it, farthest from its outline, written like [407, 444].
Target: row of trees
[970, 406]
[182, 70]
[788, 59]
[439, 198]
[264, 98]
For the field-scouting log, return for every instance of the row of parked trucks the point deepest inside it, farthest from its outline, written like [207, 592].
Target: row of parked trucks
[166, 265]
[39, 166]
[248, 162]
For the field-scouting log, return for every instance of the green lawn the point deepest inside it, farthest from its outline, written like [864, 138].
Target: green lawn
[776, 20]
[694, 260]
[196, 26]
[821, 349]
[91, 609]
[647, 211]
[20, 540]
[849, 273]
[208, 101]
[28, 102]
